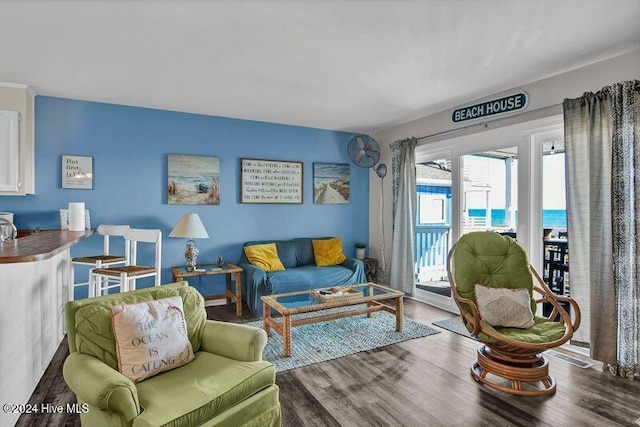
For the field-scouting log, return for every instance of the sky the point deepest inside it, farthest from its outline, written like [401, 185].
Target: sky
[553, 182]
[330, 170]
[193, 165]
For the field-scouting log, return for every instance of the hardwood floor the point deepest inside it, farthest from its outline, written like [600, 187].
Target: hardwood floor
[422, 382]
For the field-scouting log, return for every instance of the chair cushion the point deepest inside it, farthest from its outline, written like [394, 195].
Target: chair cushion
[491, 259]
[264, 256]
[543, 331]
[504, 307]
[193, 394]
[151, 337]
[89, 321]
[104, 259]
[308, 277]
[295, 252]
[328, 252]
[131, 270]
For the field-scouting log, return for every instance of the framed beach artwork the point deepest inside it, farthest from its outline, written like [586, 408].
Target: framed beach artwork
[330, 183]
[193, 180]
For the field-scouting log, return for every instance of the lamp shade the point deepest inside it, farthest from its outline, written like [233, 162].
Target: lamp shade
[189, 226]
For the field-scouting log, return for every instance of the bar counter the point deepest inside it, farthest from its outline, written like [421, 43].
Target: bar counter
[35, 284]
[40, 246]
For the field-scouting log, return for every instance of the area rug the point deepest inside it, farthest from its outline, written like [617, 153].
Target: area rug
[329, 340]
[454, 324]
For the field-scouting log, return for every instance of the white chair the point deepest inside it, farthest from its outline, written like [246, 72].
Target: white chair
[98, 261]
[125, 277]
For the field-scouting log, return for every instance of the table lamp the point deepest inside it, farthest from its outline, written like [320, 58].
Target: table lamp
[189, 226]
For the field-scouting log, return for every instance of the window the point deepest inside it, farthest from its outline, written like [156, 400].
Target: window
[432, 209]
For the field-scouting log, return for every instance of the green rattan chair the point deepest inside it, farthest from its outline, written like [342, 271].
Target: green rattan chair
[512, 356]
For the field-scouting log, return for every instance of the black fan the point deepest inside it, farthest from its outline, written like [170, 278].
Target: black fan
[363, 151]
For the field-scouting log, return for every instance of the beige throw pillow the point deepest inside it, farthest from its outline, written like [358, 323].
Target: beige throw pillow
[151, 337]
[505, 307]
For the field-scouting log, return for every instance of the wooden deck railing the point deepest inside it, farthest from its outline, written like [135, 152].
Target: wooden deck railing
[432, 244]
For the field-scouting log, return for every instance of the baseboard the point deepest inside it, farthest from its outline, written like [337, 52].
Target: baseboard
[579, 350]
[214, 302]
[572, 360]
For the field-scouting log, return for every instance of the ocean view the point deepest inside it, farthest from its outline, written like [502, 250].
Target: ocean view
[551, 218]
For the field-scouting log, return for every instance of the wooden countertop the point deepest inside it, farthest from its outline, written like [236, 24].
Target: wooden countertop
[40, 246]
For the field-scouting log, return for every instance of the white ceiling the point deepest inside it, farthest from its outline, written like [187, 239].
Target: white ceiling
[344, 65]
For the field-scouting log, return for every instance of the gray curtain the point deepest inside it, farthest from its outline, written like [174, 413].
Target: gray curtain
[603, 209]
[588, 169]
[404, 215]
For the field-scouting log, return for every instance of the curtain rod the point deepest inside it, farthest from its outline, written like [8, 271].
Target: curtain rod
[485, 124]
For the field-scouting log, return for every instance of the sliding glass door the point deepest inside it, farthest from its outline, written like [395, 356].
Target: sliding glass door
[489, 181]
[490, 191]
[433, 229]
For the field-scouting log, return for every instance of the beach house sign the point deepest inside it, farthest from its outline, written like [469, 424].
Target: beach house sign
[515, 102]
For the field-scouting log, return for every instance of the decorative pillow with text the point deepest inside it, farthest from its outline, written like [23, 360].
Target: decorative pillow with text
[151, 337]
[504, 306]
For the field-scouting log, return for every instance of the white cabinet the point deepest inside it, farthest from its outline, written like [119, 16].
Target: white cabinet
[9, 151]
[16, 140]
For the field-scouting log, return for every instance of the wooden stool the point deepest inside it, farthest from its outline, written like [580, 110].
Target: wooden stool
[125, 277]
[97, 261]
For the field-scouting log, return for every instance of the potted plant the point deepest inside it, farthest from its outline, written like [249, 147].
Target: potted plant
[360, 247]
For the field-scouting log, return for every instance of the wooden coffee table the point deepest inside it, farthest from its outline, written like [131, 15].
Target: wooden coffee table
[293, 303]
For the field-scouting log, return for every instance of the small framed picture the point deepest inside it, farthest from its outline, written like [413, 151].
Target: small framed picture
[331, 183]
[193, 180]
[77, 172]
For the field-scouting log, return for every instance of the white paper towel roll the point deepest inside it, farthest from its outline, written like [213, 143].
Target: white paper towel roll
[76, 216]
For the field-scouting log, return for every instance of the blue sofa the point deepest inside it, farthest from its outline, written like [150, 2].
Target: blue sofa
[301, 272]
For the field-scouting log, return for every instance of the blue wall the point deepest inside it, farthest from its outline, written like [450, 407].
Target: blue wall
[129, 146]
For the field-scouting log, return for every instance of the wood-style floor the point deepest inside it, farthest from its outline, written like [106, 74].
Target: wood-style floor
[422, 382]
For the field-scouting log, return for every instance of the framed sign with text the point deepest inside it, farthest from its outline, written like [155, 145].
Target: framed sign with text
[270, 181]
[506, 104]
[77, 172]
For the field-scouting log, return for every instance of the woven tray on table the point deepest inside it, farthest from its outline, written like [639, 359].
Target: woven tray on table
[336, 293]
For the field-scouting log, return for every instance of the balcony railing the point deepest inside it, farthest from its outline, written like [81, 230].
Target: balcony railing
[474, 222]
[432, 246]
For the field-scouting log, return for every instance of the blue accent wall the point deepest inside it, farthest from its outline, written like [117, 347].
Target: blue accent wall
[129, 146]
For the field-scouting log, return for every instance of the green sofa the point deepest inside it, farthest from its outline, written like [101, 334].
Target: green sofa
[227, 384]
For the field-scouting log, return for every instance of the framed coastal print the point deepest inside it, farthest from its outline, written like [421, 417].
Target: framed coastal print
[330, 183]
[193, 180]
[77, 172]
[270, 181]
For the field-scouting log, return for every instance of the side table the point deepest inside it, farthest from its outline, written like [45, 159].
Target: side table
[371, 269]
[180, 273]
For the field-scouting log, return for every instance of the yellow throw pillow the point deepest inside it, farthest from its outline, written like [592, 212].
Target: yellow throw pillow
[264, 256]
[328, 252]
[151, 337]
